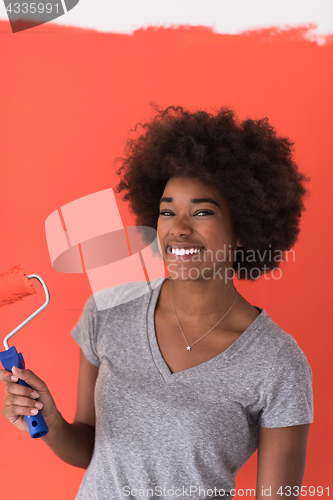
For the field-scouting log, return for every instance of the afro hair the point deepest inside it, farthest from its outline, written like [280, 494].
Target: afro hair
[251, 166]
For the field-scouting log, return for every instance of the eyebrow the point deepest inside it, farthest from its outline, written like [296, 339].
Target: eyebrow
[194, 200]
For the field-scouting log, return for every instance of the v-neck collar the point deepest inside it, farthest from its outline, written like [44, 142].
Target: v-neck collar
[219, 359]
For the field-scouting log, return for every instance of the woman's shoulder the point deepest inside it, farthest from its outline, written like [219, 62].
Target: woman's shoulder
[274, 343]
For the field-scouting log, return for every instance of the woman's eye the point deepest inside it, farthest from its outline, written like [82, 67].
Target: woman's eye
[200, 212]
[204, 212]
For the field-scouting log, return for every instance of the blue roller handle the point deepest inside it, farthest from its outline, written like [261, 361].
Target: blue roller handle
[36, 423]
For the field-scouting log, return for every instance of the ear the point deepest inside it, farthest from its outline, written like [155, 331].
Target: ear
[238, 243]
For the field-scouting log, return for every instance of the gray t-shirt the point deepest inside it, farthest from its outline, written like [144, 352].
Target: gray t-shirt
[186, 434]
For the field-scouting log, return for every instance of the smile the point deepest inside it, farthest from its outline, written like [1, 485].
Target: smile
[184, 253]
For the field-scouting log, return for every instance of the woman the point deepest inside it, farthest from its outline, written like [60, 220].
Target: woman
[188, 380]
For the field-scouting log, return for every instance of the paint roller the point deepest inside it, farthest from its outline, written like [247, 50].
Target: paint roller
[14, 285]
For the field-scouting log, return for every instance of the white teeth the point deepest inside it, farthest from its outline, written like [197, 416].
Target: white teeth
[182, 251]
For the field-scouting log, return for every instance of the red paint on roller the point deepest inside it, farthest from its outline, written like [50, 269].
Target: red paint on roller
[14, 285]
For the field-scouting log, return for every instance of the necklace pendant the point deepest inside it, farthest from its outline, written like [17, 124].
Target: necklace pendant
[188, 347]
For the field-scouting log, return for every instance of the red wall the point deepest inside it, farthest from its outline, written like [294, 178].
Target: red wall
[68, 100]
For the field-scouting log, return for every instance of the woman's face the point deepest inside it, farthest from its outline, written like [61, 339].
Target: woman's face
[195, 222]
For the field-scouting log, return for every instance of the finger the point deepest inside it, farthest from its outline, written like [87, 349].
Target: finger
[5, 375]
[29, 378]
[14, 400]
[21, 390]
[16, 411]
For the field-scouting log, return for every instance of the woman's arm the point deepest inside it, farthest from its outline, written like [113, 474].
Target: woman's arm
[281, 461]
[74, 443]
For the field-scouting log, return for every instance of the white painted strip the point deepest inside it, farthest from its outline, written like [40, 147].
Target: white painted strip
[224, 16]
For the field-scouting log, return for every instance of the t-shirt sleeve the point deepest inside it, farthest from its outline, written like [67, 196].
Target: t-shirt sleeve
[85, 332]
[288, 398]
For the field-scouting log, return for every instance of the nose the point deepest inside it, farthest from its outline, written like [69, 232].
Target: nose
[180, 227]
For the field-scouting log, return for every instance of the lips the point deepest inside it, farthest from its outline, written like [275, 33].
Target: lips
[185, 245]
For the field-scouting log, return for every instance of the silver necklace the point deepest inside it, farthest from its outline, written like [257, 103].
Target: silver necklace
[189, 346]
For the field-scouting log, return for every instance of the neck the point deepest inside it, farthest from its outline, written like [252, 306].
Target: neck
[202, 298]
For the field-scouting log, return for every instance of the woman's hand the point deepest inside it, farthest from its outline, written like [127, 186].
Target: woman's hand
[73, 443]
[21, 400]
